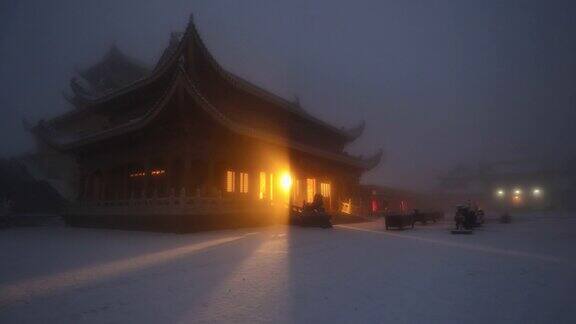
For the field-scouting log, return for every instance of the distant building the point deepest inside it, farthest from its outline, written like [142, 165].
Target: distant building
[186, 145]
[527, 183]
[377, 200]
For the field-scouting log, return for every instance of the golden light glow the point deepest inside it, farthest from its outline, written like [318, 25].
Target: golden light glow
[286, 181]
[500, 193]
[326, 192]
[230, 181]
[325, 189]
[137, 174]
[271, 186]
[73, 279]
[243, 182]
[310, 189]
[537, 192]
[157, 172]
[346, 207]
[517, 191]
[296, 190]
[262, 185]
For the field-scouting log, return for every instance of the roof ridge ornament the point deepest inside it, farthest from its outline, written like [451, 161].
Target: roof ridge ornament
[356, 131]
[191, 24]
[375, 159]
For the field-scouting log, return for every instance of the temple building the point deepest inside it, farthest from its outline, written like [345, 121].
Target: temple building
[186, 145]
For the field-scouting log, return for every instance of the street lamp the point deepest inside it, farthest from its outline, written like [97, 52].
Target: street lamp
[536, 192]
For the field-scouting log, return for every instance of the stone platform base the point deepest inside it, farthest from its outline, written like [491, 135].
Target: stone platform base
[172, 223]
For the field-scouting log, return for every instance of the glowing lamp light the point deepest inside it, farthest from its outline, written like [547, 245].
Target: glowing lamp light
[536, 192]
[517, 191]
[157, 172]
[286, 181]
[346, 207]
[500, 193]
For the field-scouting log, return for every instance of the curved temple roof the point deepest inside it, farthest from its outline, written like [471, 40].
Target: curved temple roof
[66, 142]
[114, 71]
[92, 99]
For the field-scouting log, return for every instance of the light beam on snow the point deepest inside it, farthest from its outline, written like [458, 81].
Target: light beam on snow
[36, 287]
[478, 248]
[262, 276]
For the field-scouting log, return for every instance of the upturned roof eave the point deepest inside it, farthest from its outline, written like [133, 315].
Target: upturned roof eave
[88, 101]
[181, 79]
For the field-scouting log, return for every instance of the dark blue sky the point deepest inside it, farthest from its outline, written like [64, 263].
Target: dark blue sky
[439, 82]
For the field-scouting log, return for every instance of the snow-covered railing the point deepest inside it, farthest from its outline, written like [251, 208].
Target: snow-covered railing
[167, 205]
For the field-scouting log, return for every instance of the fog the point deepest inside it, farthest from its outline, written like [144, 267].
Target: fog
[439, 83]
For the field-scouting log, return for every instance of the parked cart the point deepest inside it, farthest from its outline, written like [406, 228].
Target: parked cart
[400, 221]
[425, 217]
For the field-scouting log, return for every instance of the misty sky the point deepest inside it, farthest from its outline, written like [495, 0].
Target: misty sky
[439, 83]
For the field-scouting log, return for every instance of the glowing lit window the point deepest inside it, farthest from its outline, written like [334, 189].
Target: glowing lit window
[296, 193]
[271, 186]
[325, 189]
[230, 181]
[243, 182]
[286, 182]
[157, 172]
[262, 189]
[137, 174]
[310, 189]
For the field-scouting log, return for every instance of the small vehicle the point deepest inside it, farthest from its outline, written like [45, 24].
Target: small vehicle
[464, 220]
[479, 217]
[426, 217]
[400, 221]
[311, 215]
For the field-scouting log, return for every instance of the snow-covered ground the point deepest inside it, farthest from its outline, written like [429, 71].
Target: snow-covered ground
[523, 272]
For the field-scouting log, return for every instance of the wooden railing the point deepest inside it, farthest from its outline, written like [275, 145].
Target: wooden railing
[169, 205]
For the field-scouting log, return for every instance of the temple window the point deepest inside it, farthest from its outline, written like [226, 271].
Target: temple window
[325, 189]
[243, 182]
[310, 189]
[230, 181]
[326, 192]
[157, 172]
[137, 174]
[296, 191]
[262, 185]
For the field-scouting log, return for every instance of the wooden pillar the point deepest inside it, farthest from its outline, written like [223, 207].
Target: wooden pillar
[210, 179]
[147, 178]
[168, 178]
[187, 173]
[103, 184]
[124, 174]
[83, 185]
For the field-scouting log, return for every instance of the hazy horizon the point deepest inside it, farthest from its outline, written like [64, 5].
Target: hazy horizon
[438, 84]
